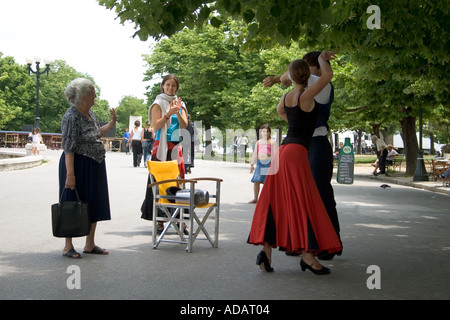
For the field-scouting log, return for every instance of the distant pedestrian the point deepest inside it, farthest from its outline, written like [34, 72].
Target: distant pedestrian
[36, 140]
[242, 144]
[136, 143]
[126, 136]
[382, 154]
[147, 142]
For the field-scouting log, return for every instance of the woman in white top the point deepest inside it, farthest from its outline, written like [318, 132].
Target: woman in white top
[136, 143]
[168, 115]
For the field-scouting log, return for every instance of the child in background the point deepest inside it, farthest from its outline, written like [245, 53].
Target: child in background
[262, 155]
[36, 140]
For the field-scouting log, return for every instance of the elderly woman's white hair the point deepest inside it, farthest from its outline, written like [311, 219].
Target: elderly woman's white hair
[77, 89]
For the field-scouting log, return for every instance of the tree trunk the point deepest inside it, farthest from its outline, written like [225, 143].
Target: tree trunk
[358, 150]
[432, 151]
[410, 143]
[376, 129]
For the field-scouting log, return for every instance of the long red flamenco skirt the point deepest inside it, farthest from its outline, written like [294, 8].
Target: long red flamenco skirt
[290, 213]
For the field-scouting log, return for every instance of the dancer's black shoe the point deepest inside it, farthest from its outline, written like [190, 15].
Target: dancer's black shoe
[263, 262]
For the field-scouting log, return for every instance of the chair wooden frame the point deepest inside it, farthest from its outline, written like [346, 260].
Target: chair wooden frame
[439, 166]
[178, 214]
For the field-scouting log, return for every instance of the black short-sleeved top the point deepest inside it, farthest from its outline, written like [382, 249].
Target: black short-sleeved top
[82, 135]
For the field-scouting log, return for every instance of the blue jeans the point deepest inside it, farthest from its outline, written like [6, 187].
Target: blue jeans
[147, 148]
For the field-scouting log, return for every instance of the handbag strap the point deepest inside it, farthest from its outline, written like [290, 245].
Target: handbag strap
[62, 193]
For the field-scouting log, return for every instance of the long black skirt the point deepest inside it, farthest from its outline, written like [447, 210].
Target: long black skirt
[91, 184]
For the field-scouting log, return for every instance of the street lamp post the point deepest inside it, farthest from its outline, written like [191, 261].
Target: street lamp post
[38, 73]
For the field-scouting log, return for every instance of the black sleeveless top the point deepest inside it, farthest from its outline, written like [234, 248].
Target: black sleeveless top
[301, 124]
[148, 135]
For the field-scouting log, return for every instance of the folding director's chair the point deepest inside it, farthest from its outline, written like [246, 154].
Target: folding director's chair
[165, 174]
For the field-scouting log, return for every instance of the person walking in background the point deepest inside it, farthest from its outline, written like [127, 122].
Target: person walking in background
[126, 136]
[147, 142]
[242, 145]
[189, 146]
[82, 164]
[290, 213]
[262, 156]
[136, 143]
[382, 154]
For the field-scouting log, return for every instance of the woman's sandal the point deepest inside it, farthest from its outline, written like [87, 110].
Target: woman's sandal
[72, 254]
[97, 250]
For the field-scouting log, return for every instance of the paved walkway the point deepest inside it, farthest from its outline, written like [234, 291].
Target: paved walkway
[379, 228]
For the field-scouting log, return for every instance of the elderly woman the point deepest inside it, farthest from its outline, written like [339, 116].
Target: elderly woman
[82, 164]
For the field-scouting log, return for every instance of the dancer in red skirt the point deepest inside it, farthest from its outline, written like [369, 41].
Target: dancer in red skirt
[290, 213]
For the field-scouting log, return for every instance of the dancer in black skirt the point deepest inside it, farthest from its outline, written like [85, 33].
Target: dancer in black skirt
[82, 164]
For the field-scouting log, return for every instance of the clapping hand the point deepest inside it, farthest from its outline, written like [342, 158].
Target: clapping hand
[175, 106]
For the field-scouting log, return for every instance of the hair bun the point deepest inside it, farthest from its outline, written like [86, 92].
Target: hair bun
[299, 72]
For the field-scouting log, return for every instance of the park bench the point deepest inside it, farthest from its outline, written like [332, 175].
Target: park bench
[396, 164]
[439, 166]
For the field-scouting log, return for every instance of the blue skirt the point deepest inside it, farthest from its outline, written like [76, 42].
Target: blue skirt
[91, 184]
[262, 167]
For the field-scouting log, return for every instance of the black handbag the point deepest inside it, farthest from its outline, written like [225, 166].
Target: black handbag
[70, 219]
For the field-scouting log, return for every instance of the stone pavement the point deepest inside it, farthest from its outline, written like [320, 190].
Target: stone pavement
[406, 237]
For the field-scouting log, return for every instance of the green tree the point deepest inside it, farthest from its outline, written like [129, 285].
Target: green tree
[16, 95]
[383, 92]
[129, 106]
[214, 74]
[403, 63]
[270, 21]
[53, 103]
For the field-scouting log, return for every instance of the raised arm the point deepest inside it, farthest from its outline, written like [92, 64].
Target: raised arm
[104, 129]
[307, 98]
[283, 79]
